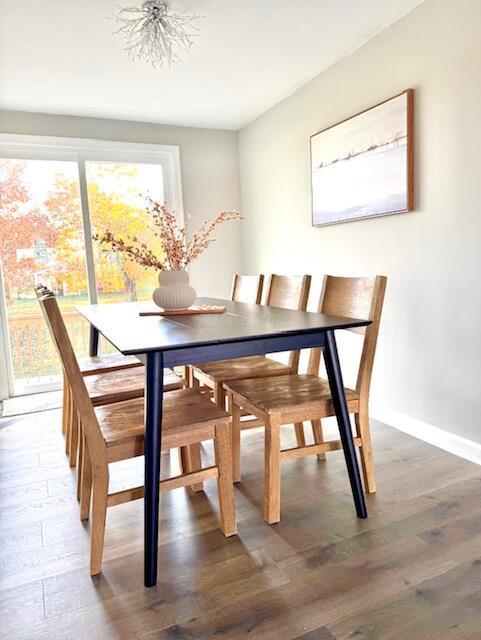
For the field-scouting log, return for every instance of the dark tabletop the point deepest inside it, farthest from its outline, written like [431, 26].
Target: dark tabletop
[131, 333]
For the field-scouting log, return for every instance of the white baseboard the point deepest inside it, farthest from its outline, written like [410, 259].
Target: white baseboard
[445, 440]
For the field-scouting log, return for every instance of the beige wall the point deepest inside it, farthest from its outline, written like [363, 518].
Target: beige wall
[210, 178]
[429, 358]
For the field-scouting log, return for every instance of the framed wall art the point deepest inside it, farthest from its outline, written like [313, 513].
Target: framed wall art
[363, 166]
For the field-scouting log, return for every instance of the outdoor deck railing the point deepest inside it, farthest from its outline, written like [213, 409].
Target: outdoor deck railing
[32, 350]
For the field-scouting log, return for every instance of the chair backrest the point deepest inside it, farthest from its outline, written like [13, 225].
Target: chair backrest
[61, 340]
[360, 298]
[40, 289]
[289, 292]
[247, 288]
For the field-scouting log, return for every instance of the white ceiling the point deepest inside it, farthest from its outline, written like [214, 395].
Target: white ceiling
[60, 56]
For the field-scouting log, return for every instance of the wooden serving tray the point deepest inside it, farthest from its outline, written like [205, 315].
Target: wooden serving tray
[191, 311]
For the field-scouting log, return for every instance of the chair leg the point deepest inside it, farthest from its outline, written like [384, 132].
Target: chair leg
[300, 437]
[272, 470]
[190, 456]
[188, 375]
[318, 436]
[219, 395]
[363, 430]
[223, 457]
[235, 410]
[65, 395]
[191, 460]
[69, 418]
[182, 460]
[86, 480]
[80, 460]
[97, 533]
[74, 437]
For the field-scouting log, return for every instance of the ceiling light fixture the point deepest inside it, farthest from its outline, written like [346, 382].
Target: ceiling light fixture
[154, 33]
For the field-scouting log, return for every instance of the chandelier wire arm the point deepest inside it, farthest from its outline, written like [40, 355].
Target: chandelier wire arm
[155, 34]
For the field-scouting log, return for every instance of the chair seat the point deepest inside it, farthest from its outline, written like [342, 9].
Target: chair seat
[183, 410]
[291, 394]
[92, 365]
[242, 369]
[126, 384]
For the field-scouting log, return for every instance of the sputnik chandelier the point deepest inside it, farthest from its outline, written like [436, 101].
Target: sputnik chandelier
[154, 33]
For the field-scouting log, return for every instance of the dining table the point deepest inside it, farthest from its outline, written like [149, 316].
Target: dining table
[242, 330]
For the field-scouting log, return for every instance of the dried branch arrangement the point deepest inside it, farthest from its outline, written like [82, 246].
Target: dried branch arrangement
[179, 251]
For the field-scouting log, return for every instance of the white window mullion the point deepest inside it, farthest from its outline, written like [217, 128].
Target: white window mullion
[87, 230]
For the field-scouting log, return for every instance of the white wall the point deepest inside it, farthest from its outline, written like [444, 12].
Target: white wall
[210, 178]
[429, 359]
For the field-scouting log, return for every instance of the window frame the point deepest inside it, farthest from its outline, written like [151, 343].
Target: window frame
[82, 150]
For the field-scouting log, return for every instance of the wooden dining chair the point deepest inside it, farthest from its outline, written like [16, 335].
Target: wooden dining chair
[247, 288]
[89, 366]
[116, 432]
[110, 386]
[112, 383]
[93, 365]
[285, 292]
[296, 398]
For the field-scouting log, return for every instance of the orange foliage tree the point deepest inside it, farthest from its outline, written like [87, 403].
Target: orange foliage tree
[107, 211]
[56, 226]
[20, 229]
[63, 206]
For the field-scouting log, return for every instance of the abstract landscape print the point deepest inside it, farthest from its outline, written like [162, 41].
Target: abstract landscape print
[362, 167]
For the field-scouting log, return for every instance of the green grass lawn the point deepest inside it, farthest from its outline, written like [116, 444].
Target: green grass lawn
[29, 306]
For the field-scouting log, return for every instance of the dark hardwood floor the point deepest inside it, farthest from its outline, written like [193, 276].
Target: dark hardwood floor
[412, 571]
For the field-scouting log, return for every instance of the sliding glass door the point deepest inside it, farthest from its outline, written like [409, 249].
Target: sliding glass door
[50, 207]
[41, 241]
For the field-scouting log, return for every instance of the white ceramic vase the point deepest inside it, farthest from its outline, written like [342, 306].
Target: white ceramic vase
[174, 291]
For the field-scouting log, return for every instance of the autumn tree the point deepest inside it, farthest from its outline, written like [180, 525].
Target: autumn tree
[20, 228]
[63, 205]
[108, 211]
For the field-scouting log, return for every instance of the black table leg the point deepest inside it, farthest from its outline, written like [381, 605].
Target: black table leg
[154, 385]
[339, 400]
[94, 341]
